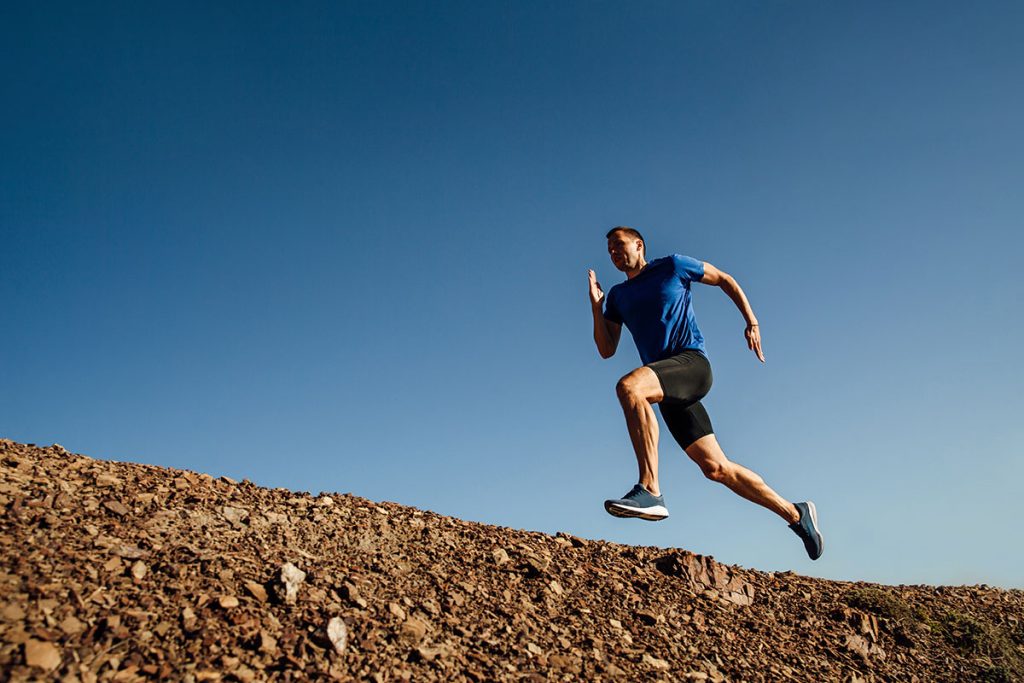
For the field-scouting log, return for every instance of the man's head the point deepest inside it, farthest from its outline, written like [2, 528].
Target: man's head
[626, 247]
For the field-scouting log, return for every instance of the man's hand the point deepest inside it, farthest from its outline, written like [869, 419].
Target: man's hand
[753, 335]
[596, 293]
[606, 332]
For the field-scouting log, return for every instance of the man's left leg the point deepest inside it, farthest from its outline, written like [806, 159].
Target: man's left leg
[709, 456]
[802, 517]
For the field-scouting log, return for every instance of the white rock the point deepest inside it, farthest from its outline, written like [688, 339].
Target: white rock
[337, 632]
[291, 578]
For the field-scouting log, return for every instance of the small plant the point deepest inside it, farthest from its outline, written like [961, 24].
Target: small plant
[880, 603]
[992, 647]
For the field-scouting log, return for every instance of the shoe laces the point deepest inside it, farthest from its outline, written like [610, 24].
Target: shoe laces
[634, 492]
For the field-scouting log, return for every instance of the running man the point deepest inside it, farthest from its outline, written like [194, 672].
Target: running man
[654, 303]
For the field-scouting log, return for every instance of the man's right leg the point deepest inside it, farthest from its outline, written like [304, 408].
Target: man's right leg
[636, 392]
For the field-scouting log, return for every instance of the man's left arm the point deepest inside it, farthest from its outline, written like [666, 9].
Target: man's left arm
[719, 278]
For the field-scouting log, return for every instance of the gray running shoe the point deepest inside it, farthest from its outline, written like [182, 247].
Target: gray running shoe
[639, 502]
[807, 529]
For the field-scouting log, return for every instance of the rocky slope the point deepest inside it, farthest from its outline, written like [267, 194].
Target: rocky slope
[123, 572]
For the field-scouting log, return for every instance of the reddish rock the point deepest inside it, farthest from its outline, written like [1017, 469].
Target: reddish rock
[177, 589]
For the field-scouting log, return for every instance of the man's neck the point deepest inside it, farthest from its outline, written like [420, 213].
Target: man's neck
[630, 274]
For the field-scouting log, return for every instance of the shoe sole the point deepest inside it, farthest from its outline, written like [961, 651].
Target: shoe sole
[651, 514]
[814, 522]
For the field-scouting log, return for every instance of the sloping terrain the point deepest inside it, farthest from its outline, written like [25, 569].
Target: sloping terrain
[124, 572]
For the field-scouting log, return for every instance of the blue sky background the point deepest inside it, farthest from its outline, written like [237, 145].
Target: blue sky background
[343, 247]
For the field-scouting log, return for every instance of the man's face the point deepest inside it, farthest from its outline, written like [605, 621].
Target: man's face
[625, 251]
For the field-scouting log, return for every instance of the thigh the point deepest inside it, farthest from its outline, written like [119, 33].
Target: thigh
[687, 423]
[685, 378]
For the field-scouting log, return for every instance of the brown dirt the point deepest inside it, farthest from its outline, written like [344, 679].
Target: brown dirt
[125, 572]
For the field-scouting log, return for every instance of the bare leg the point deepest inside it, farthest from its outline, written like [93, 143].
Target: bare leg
[637, 391]
[706, 452]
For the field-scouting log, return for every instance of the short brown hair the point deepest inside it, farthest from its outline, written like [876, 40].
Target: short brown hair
[632, 232]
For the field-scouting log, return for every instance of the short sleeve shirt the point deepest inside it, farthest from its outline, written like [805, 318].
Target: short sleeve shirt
[656, 308]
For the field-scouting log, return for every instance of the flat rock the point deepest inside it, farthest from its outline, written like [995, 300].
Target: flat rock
[42, 655]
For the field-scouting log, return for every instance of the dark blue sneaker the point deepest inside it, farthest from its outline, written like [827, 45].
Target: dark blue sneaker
[639, 502]
[807, 529]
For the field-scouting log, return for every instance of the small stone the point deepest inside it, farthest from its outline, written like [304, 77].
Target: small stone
[71, 625]
[128, 551]
[655, 663]
[615, 623]
[396, 610]
[13, 612]
[556, 587]
[107, 480]
[188, 620]
[139, 570]
[614, 671]
[857, 645]
[537, 565]
[429, 654]
[116, 507]
[41, 654]
[350, 591]
[228, 601]
[325, 501]
[567, 663]
[235, 515]
[290, 579]
[413, 630]
[337, 633]
[500, 556]
[256, 590]
[268, 644]
[649, 618]
[741, 599]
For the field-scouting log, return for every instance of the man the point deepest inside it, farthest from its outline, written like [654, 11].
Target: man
[654, 303]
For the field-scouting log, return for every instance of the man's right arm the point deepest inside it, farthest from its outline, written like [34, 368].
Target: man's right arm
[606, 333]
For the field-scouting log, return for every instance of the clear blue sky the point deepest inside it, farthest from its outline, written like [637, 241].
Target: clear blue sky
[343, 247]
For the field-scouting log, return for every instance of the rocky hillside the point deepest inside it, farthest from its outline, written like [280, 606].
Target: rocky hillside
[124, 572]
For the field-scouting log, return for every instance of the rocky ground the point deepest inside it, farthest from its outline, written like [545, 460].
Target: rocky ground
[123, 572]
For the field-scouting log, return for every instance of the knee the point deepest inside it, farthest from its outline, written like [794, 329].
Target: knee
[625, 389]
[715, 471]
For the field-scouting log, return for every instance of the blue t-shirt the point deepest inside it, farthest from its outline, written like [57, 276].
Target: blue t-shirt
[655, 306]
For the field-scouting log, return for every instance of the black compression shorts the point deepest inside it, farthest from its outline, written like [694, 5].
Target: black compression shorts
[685, 379]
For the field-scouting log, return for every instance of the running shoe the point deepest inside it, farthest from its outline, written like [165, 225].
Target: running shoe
[639, 502]
[807, 529]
